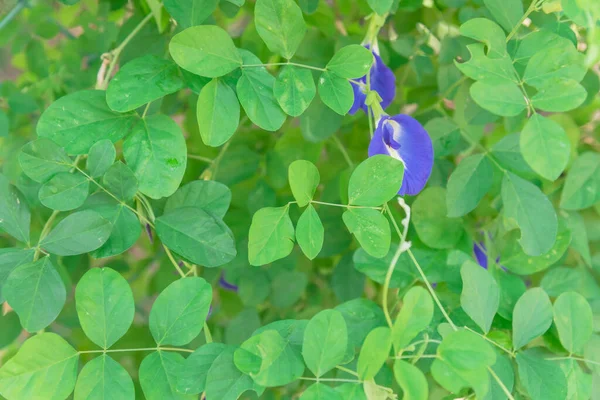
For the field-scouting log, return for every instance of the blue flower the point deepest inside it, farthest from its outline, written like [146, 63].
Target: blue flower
[382, 81]
[404, 138]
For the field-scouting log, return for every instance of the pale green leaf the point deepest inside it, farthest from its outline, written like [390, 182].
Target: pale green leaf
[325, 341]
[371, 228]
[375, 181]
[100, 157]
[14, 212]
[80, 232]
[532, 317]
[573, 319]
[64, 191]
[271, 235]
[104, 379]
[336, 92]
[280, 24]
[218, 113]
[310, 232]
[304, 178]
[294, 90]
[105, 306]
[351, 62]
[480, 295]
[468, 183]
[158, 376]
[414, 317]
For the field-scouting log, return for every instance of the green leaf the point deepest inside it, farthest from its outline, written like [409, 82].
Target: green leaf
[530, 208]
[582, 186]
[304, 178]
[506, 13]
[44, 368]
[465, 350]
[454, 380]
[100, 157]
[210, 196]
[319, 122]
[104, 378]
[515, 259]
[120, 181]
[41, 159]
[255, 92]
[351, 62]
[218, 113]
[480, 297]
[336, 92]
[11, 258]
[294, 89]
[36, 292]
[549, 66]
[4, 124]
[542, 379]
[371, 228]
[80, 232]
[125, 225]
[310, 232]
[505, 99]
[573, 319]
[158, 376]
[205, 50]
[494, 71]
[580, 384]
[271, 235]
[104, 306]
[194, 370]
[190, 12]
[225, 382]
[486, 31]
[559, 96]
[80, 119]
[157, 154]
[431, 222]
[280, 24]
[179, 312]
[64, 191]
[287, 288]
[325, 342]
[11, 329]
[545, 146]
[268, 359]
[445, 135]
[199, 236]
[381, 7]
[414, 317]
[374, 352]
[375, 181]
[14, 213]
[142, 81]
[320, 391]
[532, 317]
[411, 380]
[468, 184]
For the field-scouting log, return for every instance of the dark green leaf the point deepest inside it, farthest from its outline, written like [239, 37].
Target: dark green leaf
[79, 233]
[101, 156]
[467, 185]
[294, 89]
[209, 196]
[42, 158]
[336, 92]
[36, 292]
[190, 12]
[64, 191]
[14, 213]
[157, 154]
[158, 376]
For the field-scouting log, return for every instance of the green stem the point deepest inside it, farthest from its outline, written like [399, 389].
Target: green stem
[585, 360]
[146, 110]
[343, 205]
[502, 386]
[200, 158]
[139, 349]
[173, 261]
[13, 13]
[342, 149]
[207, 334]
[306, 378]
[532, 7]
[413, 356]
[512, 354]
[117, 51]
[431, 291]
[284, 63]
[346, 370]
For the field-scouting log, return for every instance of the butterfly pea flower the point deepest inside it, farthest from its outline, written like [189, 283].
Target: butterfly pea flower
[480, 253]
[227, 285]
[404, 138]
[382, 80]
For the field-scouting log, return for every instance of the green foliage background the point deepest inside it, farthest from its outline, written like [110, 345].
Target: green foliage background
[188, 211]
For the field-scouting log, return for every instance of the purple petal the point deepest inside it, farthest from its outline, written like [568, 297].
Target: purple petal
[226, 285]
[149, 232]
[405, 139]
[383, 81]
[480, 255]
